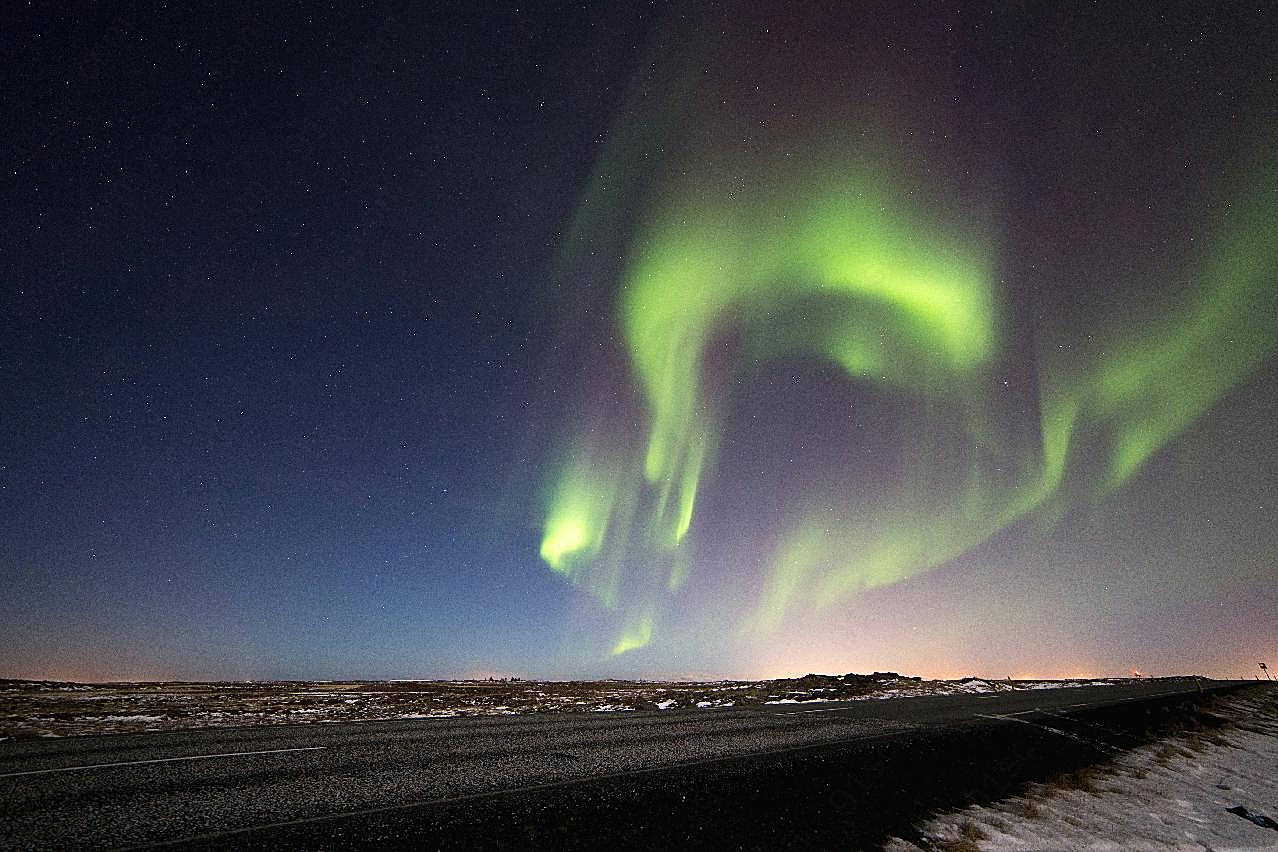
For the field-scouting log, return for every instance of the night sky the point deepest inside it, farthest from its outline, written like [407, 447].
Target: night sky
[678, 340]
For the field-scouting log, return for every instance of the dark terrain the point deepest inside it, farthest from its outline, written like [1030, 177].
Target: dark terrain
[760, 776]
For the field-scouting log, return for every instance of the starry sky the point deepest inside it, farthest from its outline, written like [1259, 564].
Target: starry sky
[638, 340]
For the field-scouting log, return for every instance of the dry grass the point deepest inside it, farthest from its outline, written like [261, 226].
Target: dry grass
[1083, 780]
[969, 836]
[1165, 753]
[962, 844]
[1217, 738]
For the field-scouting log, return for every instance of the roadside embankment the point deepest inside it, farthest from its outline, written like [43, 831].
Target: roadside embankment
[855, 794]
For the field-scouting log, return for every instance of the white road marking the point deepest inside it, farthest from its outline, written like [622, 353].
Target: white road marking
[801, 712]
[1096, 744]
[159, 760]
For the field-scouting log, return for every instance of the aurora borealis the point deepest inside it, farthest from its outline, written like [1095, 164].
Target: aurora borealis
[761, 234]
[727, 341]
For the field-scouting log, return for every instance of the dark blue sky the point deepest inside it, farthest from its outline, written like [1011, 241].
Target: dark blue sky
[271, 322]
[294, 327]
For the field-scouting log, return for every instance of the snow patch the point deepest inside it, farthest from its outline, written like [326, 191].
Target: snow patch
[1174, 794]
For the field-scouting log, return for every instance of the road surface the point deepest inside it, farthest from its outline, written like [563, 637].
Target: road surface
[448, 782]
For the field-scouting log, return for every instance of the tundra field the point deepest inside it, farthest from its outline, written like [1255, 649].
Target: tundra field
[54, 709]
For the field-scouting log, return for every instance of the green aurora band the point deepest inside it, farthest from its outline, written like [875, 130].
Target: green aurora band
[826, 259]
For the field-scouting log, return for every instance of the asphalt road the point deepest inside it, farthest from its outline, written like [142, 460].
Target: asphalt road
[240, 786]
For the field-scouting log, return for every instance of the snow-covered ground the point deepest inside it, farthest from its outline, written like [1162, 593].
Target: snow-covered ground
[1203, 790]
